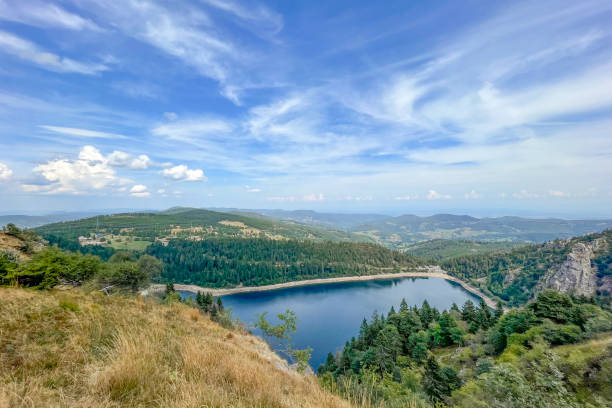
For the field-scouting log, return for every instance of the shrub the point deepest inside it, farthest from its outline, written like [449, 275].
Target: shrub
[52, 266]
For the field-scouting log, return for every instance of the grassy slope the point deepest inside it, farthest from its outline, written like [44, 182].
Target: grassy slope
[70, 349]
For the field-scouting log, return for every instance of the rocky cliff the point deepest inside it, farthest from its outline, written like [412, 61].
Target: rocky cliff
[576, 275]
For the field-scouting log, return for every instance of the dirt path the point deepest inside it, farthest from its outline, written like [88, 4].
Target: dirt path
[427, 272]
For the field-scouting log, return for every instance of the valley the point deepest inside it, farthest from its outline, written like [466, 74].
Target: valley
[330, 287]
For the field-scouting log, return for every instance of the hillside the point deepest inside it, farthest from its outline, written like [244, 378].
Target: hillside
[444, 249]
[71, 349]
[554, 352]
[581, 266]
[400, 231]
[18, 244]
[137, 230]
[227, 262]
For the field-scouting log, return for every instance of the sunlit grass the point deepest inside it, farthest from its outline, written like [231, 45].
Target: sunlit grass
[71, 349]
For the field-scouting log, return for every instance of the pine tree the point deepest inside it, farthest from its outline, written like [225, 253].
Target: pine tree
[426, 314]
[499, 311]
[219, 304]
[403, 306]
[484, 315]
[468, 313]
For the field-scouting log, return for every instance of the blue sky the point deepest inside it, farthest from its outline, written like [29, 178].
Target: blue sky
[398, 107]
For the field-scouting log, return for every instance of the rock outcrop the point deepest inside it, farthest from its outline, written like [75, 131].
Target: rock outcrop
[576, 274]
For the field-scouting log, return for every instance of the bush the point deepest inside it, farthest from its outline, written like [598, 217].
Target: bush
[8, 264]
[11, 229]
[51, 266]
[557, 334]
[127, 274]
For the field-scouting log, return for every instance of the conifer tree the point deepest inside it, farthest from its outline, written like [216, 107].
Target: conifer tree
[484, 315]
[468, 313]
[403, 305]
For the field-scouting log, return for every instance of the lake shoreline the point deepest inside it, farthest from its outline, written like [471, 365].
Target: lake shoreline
[427, 272]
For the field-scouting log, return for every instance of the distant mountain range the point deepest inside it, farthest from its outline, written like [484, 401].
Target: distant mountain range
[393, 232]
[328, 220]
[33, 221]
[400, 232]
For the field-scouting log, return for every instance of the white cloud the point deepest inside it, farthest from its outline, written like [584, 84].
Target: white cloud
[407, 197]
[43, 14]
[283, 199]
[141, 162]
[89, 172]
[5, 172]
[183, 173]
[252, 189]
[122, 159]
[82, 132]
[137, 90]
[119, 159]
[314, 197]
[472, 195]
[523, 194]
[91, 154]
[161, 191]
[290, 199]
[139, 190]
[264, 19]
[359, 198]
[29, 51]
[558, 193]
[434, 195]
[193, 131]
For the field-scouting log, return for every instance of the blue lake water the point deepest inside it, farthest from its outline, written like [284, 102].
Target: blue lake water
[330, 314]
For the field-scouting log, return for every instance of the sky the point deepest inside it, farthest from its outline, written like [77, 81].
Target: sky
[485, 108]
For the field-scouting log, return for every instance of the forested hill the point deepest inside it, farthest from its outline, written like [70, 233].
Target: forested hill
[225, 262]
[443, 249]
[581, 266]
[137, 230]
[554, 352]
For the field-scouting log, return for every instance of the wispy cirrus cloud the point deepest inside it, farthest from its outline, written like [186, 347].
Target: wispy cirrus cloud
[189, 34]
[43, 14]
[82, 132]
[28, 51]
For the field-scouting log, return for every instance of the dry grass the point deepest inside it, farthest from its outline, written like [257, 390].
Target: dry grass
[71, 349]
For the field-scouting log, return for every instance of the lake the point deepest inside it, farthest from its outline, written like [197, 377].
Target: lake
[330, 314]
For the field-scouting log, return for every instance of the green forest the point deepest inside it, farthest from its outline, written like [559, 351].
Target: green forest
[443, 249]
[547, 354]
[225, 262]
